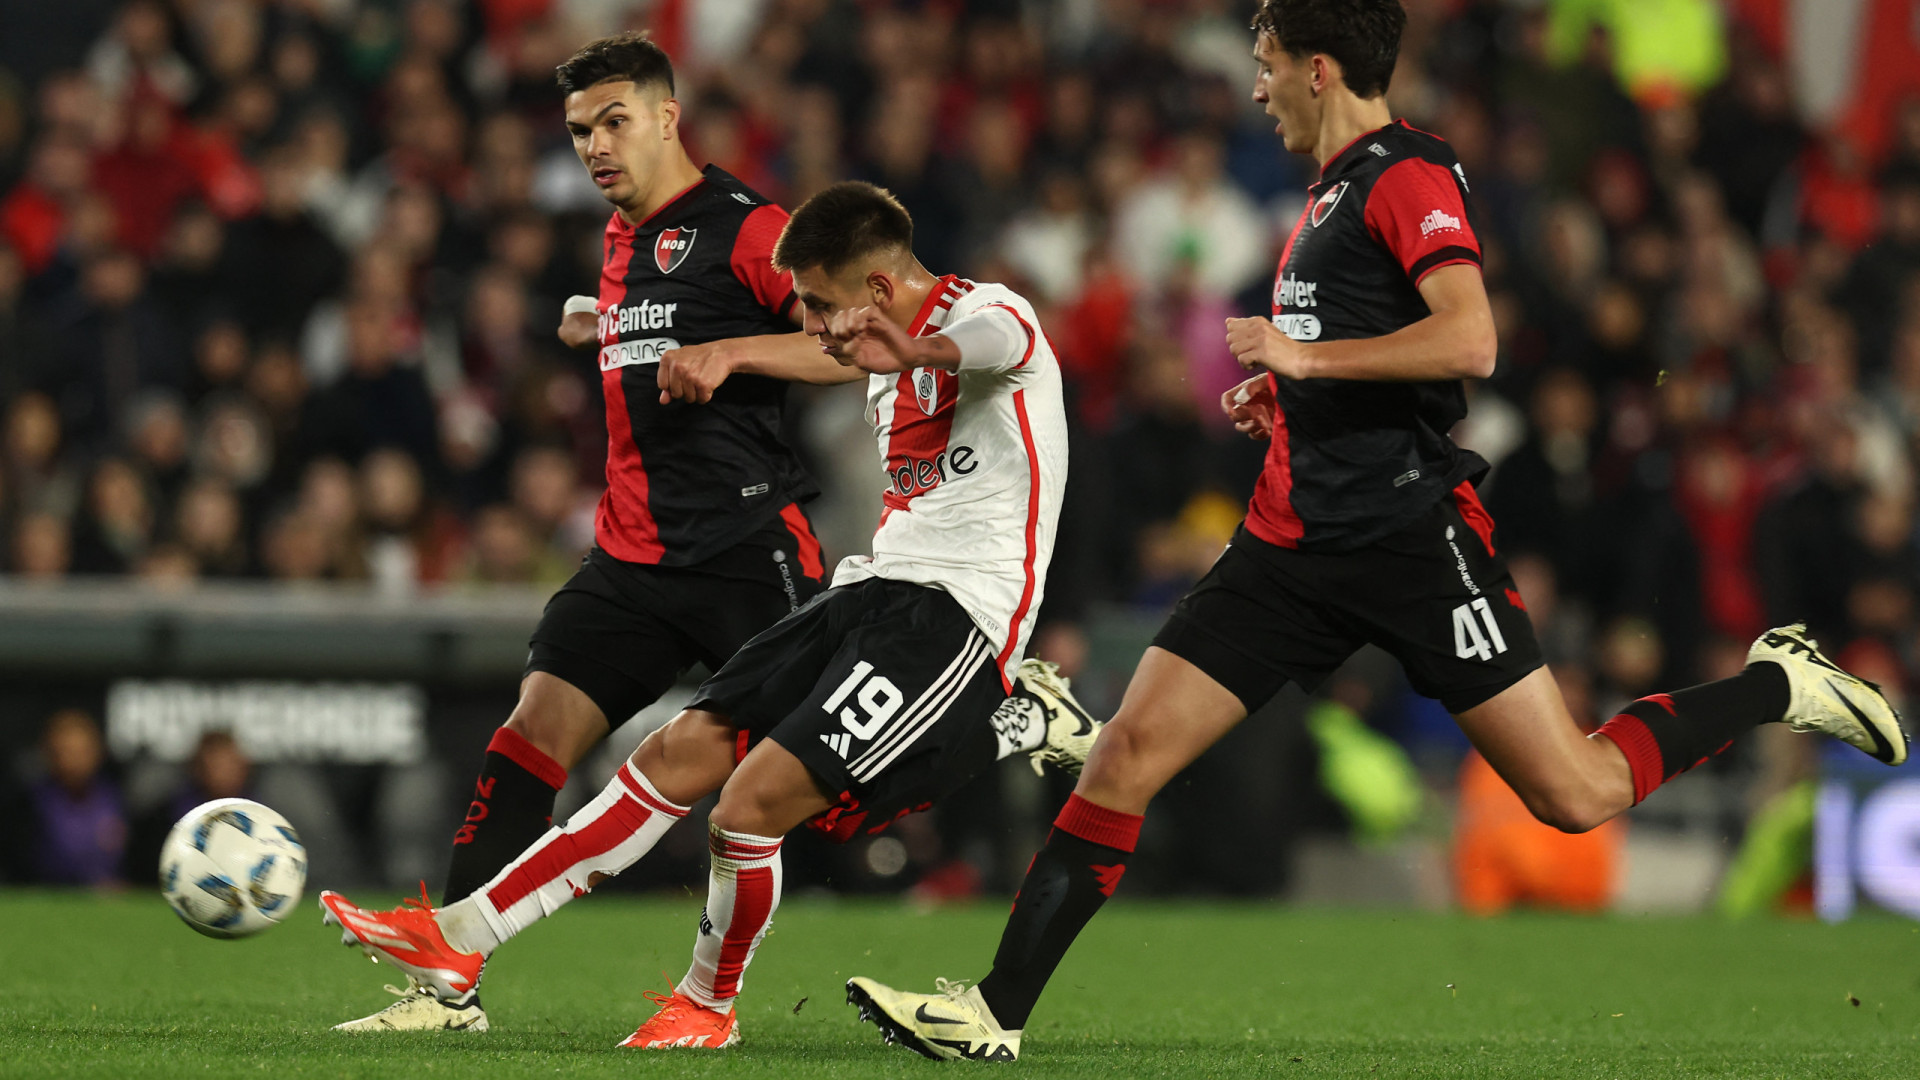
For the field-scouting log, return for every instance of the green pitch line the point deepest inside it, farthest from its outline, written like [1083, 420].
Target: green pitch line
[108, 987]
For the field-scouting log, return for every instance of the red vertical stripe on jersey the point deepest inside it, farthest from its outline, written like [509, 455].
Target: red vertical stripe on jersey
[802, 531]
[624, 526]
[752, 905]
[916, 439]
[552, 858]
[1033, 536]
[1270, 515]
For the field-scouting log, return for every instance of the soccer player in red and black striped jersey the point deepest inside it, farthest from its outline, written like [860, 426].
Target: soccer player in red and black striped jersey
[700, 541]
[1364, 528]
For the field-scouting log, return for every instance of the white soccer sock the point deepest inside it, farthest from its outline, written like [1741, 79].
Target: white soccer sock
[605, 837]
[743, 889]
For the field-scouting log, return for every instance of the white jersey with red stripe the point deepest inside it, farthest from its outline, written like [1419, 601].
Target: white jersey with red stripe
[976, 464]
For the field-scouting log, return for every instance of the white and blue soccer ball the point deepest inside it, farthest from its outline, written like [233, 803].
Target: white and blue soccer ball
[232, 868]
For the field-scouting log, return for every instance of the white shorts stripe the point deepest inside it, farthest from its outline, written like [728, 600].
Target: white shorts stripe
[949, 681]
[925, 723]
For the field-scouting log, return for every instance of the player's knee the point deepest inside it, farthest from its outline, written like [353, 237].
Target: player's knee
[1568, 809]
[1119, 764]
[742, 809]
[560, 734]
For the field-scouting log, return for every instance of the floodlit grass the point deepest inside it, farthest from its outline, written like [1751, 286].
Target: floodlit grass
[115, 986]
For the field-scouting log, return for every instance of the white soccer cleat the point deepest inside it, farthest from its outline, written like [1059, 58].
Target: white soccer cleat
[420, 1010]
[1039, 687]
[952, 1024]
[1827, 699]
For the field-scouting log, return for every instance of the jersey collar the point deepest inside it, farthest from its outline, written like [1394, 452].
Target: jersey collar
[1345, 157]
[709, 173]
[930, 305]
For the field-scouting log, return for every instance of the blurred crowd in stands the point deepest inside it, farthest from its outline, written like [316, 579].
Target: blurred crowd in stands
[279, 278]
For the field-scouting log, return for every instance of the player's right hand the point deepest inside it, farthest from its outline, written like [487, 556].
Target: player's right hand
[870, 341]
[580, 330]
[1251, 407]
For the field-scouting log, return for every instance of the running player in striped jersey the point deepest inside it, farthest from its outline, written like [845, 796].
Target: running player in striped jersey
[881, 695]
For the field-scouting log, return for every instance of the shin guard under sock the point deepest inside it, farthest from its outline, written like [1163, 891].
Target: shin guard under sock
[743, 889]
[1075, 871]
[512, 807]
[601, 839]
[1664, 735]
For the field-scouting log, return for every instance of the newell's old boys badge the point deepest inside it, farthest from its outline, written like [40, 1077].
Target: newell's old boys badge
[1327, 202]
[671, 249]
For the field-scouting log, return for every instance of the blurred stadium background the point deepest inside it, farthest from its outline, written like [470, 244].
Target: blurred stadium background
[291, 457]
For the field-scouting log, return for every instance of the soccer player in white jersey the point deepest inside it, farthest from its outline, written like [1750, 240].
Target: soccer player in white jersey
[878, 697]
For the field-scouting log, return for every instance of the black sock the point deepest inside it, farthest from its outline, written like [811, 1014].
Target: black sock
[1664, 735]
[1071, 877]
[512, 807]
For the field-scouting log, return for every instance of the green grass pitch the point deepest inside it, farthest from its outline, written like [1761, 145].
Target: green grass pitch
[108, 987]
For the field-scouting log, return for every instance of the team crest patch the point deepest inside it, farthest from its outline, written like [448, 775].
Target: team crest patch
[927, 390]
[671, 249]
[1328, 201]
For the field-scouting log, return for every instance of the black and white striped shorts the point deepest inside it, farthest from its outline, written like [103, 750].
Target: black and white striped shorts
[883, 689]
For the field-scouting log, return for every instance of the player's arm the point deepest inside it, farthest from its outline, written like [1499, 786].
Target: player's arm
[580, 323]
[1416, 210]
[1456, 341]
[693, 373]
[993, 339]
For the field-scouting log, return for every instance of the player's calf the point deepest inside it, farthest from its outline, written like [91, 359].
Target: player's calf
[605, 837]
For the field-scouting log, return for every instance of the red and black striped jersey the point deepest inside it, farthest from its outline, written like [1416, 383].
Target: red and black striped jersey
[685, 481]
[1352, 461]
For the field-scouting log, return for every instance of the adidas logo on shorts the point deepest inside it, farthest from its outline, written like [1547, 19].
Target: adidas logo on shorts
[840, 742]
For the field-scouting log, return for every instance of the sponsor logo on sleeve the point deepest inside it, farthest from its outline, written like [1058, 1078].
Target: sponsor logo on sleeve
[1438, 221]
[670, 250]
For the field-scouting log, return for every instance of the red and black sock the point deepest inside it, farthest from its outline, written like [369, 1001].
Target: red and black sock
[1073, 874]
[1664, 735]
[512, 807]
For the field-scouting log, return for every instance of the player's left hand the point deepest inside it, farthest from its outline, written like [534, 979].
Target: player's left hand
[870, 341]
[693, 372]
[1257, 343]
[1251, 407]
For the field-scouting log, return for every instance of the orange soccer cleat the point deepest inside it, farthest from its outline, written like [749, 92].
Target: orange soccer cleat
[684, 1023]
[408, 938]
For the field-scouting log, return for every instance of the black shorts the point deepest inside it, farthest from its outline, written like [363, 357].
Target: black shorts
[1435, 595]
[883, 689]
[623, 633]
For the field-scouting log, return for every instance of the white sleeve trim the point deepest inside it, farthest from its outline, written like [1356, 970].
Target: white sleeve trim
[990, 339]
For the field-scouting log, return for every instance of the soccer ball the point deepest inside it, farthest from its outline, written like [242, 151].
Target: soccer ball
[232, 868]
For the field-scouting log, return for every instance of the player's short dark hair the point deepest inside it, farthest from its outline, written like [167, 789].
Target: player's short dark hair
[842, 224]
[629, 57]
[1362, 35]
